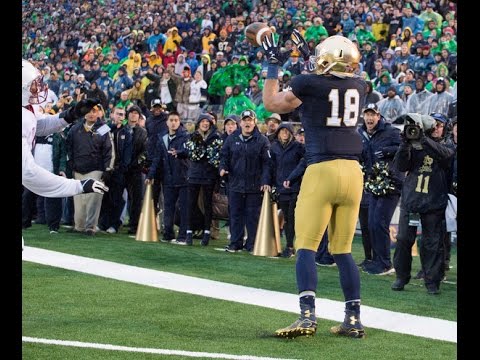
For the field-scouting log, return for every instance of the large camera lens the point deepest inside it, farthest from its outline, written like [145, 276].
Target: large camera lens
[412, 132]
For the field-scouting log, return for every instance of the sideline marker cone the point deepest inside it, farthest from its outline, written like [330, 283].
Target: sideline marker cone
[265, 242]
[147, 224]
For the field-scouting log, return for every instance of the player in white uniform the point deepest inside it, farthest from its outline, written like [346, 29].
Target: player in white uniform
[34, 177]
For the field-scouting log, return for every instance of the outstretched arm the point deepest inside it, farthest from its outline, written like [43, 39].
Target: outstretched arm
[49, 124]
[42, 182]
[273, 100]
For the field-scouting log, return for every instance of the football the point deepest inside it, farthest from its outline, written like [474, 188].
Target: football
[255, 33]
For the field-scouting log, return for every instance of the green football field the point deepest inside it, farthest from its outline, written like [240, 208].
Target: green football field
[64, 305]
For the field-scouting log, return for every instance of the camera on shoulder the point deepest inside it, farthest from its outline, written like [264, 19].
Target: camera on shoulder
[412, 131]
[413, 128]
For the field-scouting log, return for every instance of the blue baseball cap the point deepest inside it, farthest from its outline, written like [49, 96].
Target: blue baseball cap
[248, 113]
[371, 107]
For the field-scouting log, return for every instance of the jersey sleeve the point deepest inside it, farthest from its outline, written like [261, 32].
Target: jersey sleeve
[42, 182]
[299, 85]
[49, 124]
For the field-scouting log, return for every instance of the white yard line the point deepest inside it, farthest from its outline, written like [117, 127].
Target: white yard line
[326, 309]
[145, 350]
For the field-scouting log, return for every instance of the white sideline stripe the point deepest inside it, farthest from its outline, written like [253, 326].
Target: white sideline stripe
[145, 350]
[431, 328]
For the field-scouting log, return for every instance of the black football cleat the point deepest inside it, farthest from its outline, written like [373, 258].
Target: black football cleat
[301, 327]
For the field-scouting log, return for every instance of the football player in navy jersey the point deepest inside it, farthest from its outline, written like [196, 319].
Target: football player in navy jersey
[331, 98]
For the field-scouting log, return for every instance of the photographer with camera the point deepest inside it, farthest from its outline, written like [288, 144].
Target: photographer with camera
[424, 199]
[383, 184]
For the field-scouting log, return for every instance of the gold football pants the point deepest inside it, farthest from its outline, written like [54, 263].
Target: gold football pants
[330, 195]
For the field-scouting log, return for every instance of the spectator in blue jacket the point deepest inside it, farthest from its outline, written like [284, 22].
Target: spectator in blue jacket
[123, 81]
[68, 84]
[105, 83]
[404, 57]
[122, 50]
[155, 125]
[380, 143]
[192, 61]
[169, 166]
[245, 158]
[113, 202]
[408, 80]
[135, 172]
[204, 153]
[424, 64]
[411, 20]
[230, 125]
[347, 23]
[286, 154]
[154, 39]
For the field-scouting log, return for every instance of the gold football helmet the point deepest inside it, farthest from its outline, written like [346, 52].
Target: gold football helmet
[336, 55]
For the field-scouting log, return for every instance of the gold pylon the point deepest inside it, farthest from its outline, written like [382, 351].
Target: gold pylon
[265, 243]
[147, 225]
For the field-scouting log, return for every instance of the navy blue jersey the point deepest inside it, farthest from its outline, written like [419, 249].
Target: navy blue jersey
[330, 111]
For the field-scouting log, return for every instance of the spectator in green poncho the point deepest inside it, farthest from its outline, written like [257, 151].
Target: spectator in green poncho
[261, 112]
[124, 101]
[362, 35]
[447, 41]
[113, 67]
[435, 48]
[443, 72]
[238, 102]
[450, 16]
[431, 29]
[429, 15]
[317, 31]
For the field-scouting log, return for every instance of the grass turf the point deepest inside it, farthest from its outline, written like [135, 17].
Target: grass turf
[244, 269]
[67, 305]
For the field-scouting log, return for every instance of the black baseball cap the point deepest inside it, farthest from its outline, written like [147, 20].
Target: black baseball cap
[156, 102]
